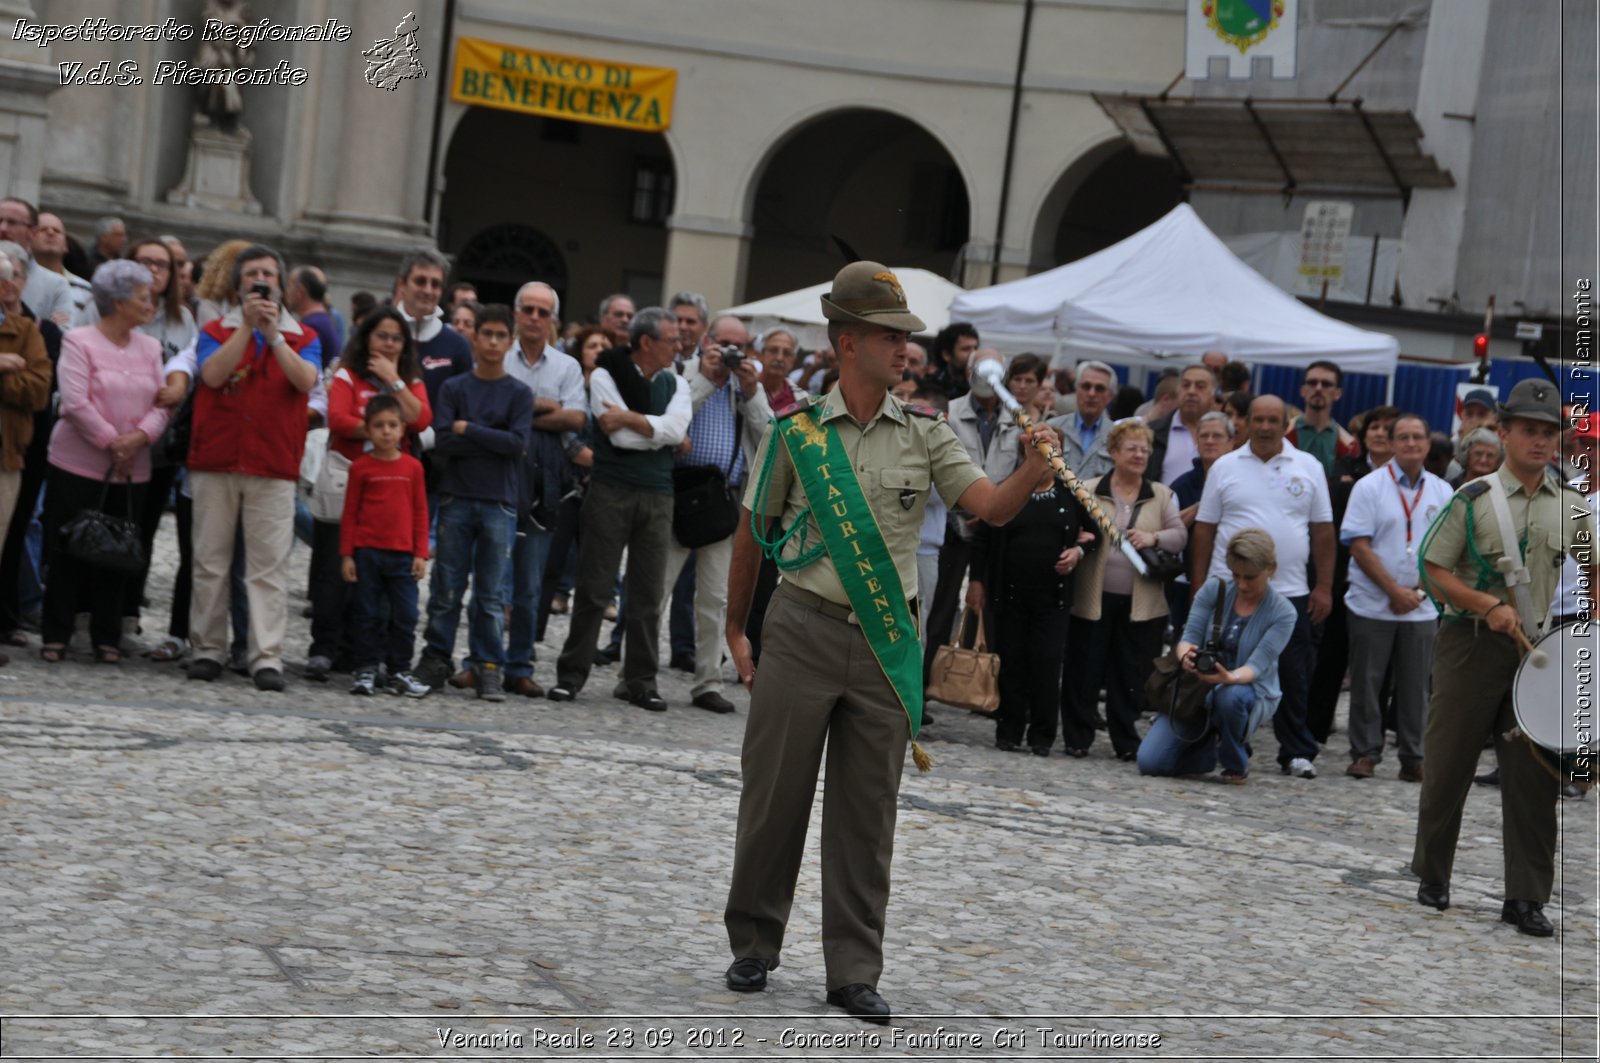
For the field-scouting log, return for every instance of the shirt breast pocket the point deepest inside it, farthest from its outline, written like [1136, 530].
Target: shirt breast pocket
[908, 488]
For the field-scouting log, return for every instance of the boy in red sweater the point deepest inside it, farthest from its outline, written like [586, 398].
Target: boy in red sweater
[383, 540]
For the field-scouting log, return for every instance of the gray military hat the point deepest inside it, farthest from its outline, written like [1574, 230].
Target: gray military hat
[1533, 400]
[867, 293]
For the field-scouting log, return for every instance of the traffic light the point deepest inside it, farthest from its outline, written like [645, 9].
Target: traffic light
[1480, 346]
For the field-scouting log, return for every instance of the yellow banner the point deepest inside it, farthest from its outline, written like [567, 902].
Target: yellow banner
[563, 86]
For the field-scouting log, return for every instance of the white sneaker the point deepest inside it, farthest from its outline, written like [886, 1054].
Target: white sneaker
[1301, 768]
[365, 682]
[404, 684]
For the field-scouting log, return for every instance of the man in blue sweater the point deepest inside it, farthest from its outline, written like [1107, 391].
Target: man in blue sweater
[482, 420]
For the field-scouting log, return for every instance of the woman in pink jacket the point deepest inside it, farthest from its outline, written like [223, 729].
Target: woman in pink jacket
[109, 375]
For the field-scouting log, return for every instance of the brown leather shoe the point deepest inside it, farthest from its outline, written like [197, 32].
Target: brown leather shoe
[713, 702]
[464, 680]
[1411, 772]
[1360, 768]
[524, 686]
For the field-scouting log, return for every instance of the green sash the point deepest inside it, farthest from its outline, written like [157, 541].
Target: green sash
[860, 557]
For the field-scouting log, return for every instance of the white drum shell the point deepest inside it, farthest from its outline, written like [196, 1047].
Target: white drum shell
[1554, 691]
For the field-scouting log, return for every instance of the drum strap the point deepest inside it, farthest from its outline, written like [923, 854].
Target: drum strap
[1518, 579]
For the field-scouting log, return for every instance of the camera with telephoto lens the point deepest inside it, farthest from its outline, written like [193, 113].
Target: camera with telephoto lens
[732, 356]
[1205, 659]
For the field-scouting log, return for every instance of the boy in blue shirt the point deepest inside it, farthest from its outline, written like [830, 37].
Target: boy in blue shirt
[481, 424]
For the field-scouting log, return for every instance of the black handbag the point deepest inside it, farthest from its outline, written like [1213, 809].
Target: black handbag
[100, 540]
[1181, 695]
[172, 447]
[705, 509]
[1163, 565]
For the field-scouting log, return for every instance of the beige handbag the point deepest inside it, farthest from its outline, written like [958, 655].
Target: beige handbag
[966, 679]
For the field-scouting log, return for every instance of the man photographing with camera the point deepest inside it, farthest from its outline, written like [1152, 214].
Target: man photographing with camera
[730, 414]
[256, 367]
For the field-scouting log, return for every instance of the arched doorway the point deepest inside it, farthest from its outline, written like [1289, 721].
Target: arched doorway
[581, 207]
[502, 258]
[1106, 195]
[871, 182]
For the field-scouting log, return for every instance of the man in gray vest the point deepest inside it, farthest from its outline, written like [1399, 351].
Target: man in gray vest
[643, 411]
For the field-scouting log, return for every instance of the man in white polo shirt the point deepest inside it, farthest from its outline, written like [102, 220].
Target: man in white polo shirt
[1270, 485]
[1392, 623]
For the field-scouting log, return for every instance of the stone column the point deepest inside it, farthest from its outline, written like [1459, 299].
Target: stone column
[371, 187]
[27, 79]
[1452, 64]
[707, 255]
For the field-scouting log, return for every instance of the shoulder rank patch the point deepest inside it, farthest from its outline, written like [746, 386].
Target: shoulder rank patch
[1474, 489]
[799, 405]
[923, 411]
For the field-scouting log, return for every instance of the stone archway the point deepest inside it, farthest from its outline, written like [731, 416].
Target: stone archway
[581, 207]
[1108, 193]
[862, 181]
[500, 259]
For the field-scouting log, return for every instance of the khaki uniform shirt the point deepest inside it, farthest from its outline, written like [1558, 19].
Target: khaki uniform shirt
[1551, 521]
[897, 457]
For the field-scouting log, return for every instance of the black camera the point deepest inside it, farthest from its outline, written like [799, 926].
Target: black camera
[1205, 660]
[732, 356]
[261, 290]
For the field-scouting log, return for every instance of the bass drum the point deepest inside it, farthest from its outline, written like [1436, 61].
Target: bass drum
[1554, 700]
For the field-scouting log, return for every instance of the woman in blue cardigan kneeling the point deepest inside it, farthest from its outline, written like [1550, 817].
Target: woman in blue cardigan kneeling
[1256, 624]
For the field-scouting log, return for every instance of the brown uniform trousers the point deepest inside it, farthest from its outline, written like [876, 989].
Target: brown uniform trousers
[1473, 670]
[818, 683]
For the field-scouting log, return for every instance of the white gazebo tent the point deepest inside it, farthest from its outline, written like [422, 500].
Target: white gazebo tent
[1172, 290]
[928, 295]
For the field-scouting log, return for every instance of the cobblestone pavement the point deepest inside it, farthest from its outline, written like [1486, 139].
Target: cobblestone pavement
[201, 870]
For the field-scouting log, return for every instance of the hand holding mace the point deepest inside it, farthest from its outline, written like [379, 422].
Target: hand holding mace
[988, 380]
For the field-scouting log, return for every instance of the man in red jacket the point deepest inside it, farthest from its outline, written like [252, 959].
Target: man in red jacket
[256, 367]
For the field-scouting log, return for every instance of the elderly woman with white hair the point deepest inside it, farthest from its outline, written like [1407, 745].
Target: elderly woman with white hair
[110, 377]
[1481, 454]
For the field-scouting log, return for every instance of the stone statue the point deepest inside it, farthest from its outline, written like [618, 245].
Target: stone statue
[221, 105]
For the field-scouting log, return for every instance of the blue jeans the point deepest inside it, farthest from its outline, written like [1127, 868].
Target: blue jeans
[1233, 720]
[474, 540]
[680, 618]
[383, 579]
[529, 552]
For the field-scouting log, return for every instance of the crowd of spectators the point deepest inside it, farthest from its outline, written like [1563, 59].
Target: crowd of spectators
[532, 457]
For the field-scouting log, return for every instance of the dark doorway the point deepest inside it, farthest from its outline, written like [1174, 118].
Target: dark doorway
[581, 207]
[869, 181]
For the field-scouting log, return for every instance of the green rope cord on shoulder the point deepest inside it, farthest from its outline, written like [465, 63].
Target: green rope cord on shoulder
[773, 548]
[1488, 575]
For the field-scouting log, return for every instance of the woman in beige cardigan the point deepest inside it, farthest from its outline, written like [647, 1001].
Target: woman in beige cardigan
[1117, 614]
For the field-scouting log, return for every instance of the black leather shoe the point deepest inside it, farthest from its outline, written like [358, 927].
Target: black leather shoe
[1005, 745]
[1527, 917]
[204, 669]
[748, 974]
[562, 692]
[608, 654]
[862, 1001]
[1434, 895]
[649, 700]
[270, 680]
[682, 662]
[1488, 778]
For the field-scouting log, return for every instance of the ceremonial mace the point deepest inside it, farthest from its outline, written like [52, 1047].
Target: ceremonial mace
[988, 381]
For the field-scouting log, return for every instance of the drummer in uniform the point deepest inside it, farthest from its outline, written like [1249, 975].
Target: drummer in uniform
[1476, 653]
[848, 476]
